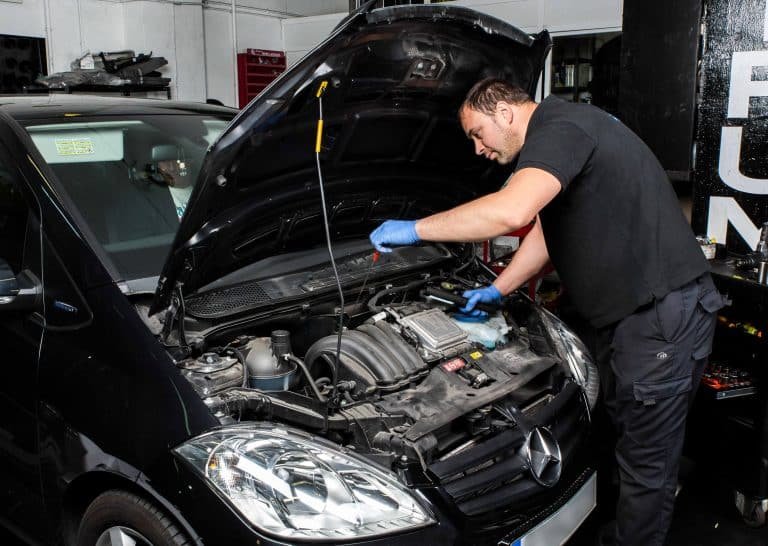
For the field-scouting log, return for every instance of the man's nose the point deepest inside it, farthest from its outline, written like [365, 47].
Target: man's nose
[479, 148]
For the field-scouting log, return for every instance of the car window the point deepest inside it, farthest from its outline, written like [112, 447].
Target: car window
[130, 178]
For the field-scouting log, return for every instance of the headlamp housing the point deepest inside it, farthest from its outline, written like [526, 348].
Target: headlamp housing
[299, 487]
[574, 354]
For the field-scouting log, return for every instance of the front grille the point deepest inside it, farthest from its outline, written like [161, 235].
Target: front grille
[493, 475]
[227, 301]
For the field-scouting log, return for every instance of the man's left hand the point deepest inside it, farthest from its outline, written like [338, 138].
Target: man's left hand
[394, 233]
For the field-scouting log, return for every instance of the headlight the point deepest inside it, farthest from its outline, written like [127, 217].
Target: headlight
[292, 485]
[571, 349]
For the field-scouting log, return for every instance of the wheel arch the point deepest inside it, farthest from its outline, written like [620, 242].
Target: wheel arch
[82, 491]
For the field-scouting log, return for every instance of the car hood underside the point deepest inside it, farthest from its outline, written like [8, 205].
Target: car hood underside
[391, 143]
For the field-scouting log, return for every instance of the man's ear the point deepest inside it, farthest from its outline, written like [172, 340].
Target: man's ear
[505, 110]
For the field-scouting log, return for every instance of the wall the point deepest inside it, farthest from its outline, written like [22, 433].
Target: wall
[557, 16]
[303, 34]
[255, 29]
[70, 27]
[186, 31]
[173, 31]
[731, 180]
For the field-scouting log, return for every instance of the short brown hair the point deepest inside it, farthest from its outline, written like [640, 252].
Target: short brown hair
[486, 93]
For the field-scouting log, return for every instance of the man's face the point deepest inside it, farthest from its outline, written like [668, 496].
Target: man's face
[171, 168]
[495, 136]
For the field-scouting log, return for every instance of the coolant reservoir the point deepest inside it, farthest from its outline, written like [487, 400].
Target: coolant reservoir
[265, 371]
[490, 331]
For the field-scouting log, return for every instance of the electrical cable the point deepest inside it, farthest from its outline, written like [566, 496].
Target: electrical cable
[318, 143]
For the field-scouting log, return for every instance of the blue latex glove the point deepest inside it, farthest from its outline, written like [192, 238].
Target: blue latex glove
[394, 233]
[489, 294]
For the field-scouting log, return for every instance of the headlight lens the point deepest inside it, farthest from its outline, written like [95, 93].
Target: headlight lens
[573, 351]
[294, 486]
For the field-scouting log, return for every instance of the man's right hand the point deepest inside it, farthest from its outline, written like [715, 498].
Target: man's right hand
[490, 294]
[394, 233]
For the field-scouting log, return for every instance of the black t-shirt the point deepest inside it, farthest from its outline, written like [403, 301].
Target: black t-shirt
[615, 233]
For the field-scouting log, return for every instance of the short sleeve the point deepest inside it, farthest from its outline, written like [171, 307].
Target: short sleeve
[561, 148]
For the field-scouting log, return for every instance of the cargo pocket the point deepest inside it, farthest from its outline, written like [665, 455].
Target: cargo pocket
[651, 392]
[710, 302]
[657, 411]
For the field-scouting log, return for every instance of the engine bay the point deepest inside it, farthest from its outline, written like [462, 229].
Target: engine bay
[410, 379]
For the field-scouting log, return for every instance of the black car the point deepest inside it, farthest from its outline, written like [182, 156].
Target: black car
[188, 366]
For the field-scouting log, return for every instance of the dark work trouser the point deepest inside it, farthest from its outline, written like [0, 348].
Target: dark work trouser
[650, 365]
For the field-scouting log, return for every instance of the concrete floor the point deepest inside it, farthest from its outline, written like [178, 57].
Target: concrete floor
[705, 515]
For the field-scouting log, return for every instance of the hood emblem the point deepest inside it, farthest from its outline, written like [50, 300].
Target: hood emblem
[542, 453]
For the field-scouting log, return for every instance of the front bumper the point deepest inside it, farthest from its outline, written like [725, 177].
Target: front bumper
[563, 522]
[484, 495]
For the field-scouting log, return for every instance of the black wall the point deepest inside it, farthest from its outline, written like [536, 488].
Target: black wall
[657, 80]
[732, 26]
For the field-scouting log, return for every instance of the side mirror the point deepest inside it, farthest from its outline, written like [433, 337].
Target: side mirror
[21, 292]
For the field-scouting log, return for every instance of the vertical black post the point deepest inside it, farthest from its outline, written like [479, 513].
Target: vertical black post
[657, 88]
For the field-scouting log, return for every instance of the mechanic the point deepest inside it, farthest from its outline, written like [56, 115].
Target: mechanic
[606, 216]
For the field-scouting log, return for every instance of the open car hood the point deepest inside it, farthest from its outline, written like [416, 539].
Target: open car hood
[392, 145]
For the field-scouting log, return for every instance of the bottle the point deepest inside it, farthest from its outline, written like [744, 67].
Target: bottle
[762, 252]
[762, 244]
[754, 259]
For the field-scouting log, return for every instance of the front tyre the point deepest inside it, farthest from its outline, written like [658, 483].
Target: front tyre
[120, 518]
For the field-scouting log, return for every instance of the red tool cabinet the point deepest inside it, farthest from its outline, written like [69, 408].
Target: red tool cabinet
[256, 68]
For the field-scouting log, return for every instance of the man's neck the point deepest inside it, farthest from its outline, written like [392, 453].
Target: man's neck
[525, 113]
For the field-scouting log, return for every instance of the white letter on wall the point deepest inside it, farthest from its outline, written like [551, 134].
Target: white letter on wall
[725, 209]
[728, 164]
[742, 86]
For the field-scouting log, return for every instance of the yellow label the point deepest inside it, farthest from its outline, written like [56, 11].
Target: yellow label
[477, 355]
[74, 146]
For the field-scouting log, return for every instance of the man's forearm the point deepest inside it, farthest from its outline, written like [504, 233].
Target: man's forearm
[529, 259]
[478, 220]
[506, 210]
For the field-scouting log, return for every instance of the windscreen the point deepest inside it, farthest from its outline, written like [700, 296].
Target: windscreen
[130, 178]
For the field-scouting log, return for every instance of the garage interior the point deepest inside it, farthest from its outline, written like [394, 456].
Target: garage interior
[685, 76]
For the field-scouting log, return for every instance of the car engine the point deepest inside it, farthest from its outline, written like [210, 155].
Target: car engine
[410, 379]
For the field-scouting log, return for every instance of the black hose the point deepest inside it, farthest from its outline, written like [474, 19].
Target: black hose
[300, 363]
[239, 356]
[372, 303]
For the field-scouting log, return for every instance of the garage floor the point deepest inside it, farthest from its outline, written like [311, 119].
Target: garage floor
[705, 515]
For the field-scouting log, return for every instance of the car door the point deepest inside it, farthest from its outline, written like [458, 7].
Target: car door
[21, 337]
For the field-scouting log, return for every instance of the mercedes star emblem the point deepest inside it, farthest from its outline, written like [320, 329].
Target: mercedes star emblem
[543, 456]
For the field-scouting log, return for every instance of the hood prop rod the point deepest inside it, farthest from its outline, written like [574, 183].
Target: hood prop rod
[334, 399]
